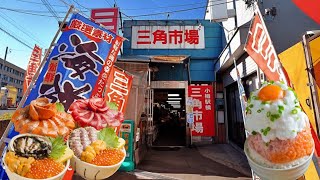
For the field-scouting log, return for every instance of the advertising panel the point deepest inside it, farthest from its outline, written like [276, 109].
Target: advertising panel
[32, 67]
[203, 110]
[79, 65]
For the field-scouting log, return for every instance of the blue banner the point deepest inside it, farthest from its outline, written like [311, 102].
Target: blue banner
[79, 63]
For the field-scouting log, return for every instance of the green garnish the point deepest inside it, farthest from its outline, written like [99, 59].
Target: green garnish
[58, 147]
[280, 109]
[266, 102]
[259, 111]
[60, 107]
[249, 111]
[267, 144]
[268, 114]
[265, 131]
[109, 137]
[273, 117]
[271, 82]
[254, 133]
[295, 111]
[251, 106]
[112, 105]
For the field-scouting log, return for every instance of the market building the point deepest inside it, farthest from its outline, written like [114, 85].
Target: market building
[171, 56]
[13, 76]
[236, 17]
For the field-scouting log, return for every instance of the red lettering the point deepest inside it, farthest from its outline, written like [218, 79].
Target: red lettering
[145, 37]
[87, 29]
[176, 36]
[192, 36]
[49, 78]
[160, 35]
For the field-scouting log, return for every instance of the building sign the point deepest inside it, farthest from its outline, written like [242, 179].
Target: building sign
[118, 88]
[203, 110]
[108, 17]
[79, 65]
[167, 37]
[260, 48]
[32, 67]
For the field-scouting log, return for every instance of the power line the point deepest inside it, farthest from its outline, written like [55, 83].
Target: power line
[9, 34]
[50, 8]
[32, 2]
[22, 29]
[109, 3]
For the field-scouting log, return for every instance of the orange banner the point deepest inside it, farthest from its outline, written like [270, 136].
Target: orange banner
[260, 48]
[32, 67]
[118, 88]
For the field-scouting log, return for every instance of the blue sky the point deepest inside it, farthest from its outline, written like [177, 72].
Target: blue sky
[40, 29]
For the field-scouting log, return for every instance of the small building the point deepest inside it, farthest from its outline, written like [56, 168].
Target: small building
[12, 75]
[286, 24]
[175, 54]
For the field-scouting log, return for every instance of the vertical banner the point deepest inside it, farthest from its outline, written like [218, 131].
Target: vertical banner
[118, 88]
[32, 67]
[260, 48]
[203, 110]
[109, 17]
[79, 65]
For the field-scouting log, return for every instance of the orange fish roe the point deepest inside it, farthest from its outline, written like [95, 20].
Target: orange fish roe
[108, 157]
[44, 168]
[284, 151]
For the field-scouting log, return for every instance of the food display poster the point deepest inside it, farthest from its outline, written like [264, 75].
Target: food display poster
[32, 67]
[203, 110]
[118, 88]
[79, 64]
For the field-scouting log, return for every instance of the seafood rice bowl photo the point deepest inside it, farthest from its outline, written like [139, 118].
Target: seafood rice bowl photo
[36, 157]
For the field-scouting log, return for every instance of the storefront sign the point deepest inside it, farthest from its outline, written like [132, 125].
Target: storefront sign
[167, 37]
[79, 65]
[203, 110]
[260, 48]
[118, 88]
[108, 17]
[32, 67]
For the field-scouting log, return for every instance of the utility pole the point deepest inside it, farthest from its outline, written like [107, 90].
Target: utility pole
[2, 68]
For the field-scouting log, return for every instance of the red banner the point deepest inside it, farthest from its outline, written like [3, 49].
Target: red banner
[203, 110]
[108, 64]
[108, 17]
[260, 48]
[310, 8]
[118, 88]
[32, 67]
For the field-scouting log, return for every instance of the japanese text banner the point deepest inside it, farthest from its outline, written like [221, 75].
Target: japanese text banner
[79, 65]
[32, 67]
[260, 48]
[118, 88]
[203, 110]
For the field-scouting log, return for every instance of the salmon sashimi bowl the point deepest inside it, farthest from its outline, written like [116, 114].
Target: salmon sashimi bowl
[280, 136]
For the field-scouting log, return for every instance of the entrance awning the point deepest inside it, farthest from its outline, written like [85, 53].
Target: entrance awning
[177, 59]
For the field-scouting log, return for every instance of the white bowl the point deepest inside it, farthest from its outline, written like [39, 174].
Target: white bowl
[91, 171]
[278, 174]
[14, 176]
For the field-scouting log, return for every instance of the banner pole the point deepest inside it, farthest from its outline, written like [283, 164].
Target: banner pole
[36, 75]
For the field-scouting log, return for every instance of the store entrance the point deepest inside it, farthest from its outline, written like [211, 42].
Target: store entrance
[169, 118]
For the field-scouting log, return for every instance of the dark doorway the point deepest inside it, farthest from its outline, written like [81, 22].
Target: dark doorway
[169, 117]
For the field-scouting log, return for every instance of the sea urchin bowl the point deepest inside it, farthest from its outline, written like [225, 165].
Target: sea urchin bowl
[266, 173]
[91, 171]
[14, 176]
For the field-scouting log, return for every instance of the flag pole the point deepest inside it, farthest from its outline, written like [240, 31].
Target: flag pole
[36, 75]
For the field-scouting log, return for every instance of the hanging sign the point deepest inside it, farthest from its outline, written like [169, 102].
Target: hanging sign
[167, 37]
[32, 67]
[203, 110]
[118, 88]
[108, 17]
[79, 65]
